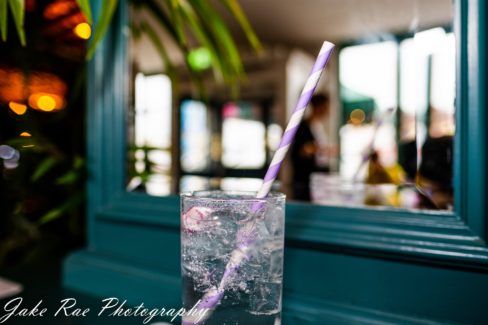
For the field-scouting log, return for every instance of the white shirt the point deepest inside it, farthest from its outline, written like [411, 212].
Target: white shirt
[321, 141]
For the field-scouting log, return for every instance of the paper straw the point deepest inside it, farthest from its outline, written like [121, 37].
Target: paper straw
[247, 233]
[296, 118]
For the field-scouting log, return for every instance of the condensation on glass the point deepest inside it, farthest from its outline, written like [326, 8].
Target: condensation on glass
[387, 139]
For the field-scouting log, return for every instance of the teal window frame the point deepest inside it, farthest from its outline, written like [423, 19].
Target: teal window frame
[447, 238]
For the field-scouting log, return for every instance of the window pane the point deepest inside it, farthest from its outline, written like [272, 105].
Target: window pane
[368, 72]
[150, 135]
[195, 136]
[443, 88]
[243, 137]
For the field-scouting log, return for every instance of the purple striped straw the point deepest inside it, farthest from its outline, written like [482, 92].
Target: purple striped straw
[296, 118]
[247, 234]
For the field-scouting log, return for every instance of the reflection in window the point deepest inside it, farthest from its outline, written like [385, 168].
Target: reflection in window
[443, 88]
[243, 137]
[240, 184]
[413, 90]
[150, 141]
[368, 76]
[427, 90]
[370, 70]
[195, 136]
[194, 183]
[397, 122]
[224, 144]
[427, 72]
[275, 131]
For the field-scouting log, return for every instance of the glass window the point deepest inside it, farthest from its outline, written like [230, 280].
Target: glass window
[243, 136]
[195, 136]
[150, 135]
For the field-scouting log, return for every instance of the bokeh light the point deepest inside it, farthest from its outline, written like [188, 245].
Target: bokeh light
[357, 116]
[200, 58]
[46, 102]
[17, 108]
[59, 9]
[18, 87]
[83, 30]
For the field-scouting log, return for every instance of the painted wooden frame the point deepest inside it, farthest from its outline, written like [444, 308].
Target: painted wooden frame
[151, 224]
[437, 236]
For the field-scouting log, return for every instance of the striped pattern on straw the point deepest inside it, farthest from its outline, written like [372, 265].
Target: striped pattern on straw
[296, 118]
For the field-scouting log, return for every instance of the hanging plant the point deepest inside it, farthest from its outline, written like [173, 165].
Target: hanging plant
[197, 20]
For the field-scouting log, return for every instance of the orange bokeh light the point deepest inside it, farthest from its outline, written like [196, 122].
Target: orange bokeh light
[83, 30]
[46, 102]
[59, 8]
[357, 116]
[17, 108]
[25, 134]
[16, 88]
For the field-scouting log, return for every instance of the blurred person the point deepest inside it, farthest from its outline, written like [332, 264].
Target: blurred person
[311, 150]
[435, 172]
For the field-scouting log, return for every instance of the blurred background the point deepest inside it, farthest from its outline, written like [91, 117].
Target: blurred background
[380, 134]
[42, 133]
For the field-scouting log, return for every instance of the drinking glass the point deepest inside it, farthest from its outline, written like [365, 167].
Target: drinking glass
[232, 257]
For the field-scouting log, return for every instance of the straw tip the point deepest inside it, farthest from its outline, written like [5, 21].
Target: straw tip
[326, 47]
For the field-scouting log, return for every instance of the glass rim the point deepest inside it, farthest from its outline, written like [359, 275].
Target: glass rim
[218, 196]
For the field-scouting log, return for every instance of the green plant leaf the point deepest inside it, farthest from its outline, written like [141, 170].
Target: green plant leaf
[201, 34]
[178, 21]
[104, 20]
[3, 19]
[43, 168]
[85, 9]
[69, 178]
[135, 31]
[155, 10]
[17, 7]
[72, 203]
[164, 21]
[51, 215]
[234, 7]
[78, 162]
[223, 39]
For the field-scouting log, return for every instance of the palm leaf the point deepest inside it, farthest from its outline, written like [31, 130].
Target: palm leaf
[44, 167]
[104, 20]
[17, 7]
[85, 9]
[71, 204]
[178, 18]
[3, 19]
[178, 21]
[192, 19]
[197, 28]
[155, 10]
[68, 178]
[234, 7]
[217, 28]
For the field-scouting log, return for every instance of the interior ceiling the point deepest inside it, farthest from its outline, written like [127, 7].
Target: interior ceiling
[309, 22]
